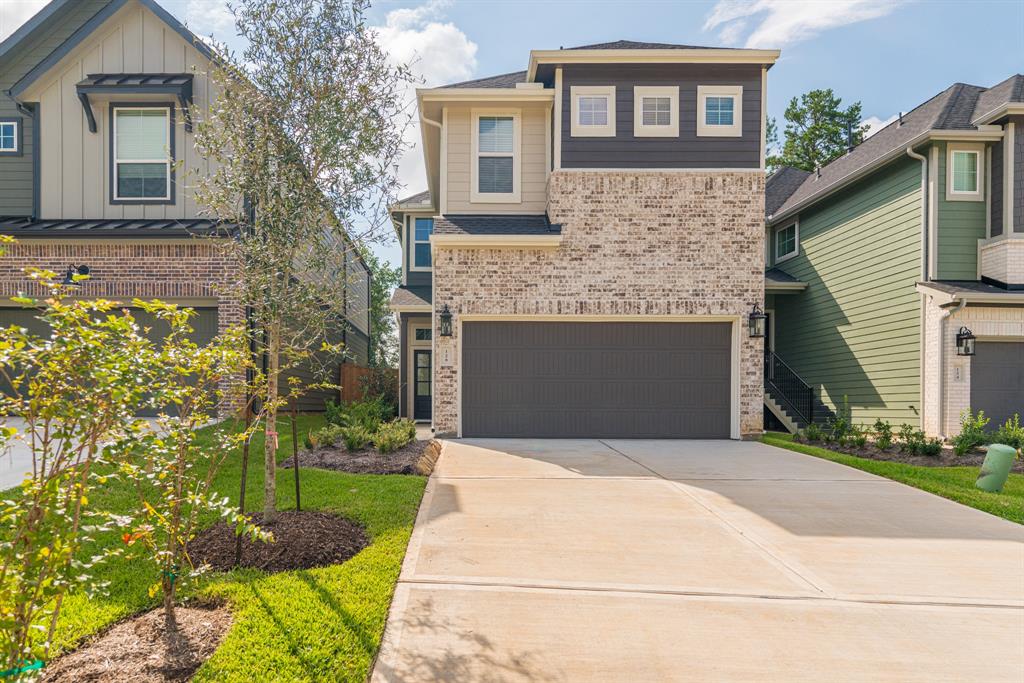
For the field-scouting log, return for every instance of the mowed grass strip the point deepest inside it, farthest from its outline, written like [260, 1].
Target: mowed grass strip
[954, 483]
[309, 625]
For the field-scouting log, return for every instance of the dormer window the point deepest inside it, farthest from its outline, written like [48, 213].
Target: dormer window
[593, 111]
[141, 155]
[720, 110]
[656, 111]
[10, 137]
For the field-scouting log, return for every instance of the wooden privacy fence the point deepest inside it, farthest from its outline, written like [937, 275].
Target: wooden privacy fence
[355, 377]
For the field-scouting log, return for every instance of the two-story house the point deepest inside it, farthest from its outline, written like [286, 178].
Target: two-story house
[96, 149]
[898, 268]
[590, 249]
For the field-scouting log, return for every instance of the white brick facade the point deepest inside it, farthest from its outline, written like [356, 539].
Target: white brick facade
[1002, 258]
[635, 244]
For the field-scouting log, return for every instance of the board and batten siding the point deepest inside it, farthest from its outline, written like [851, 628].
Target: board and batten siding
[16, 174]
[685, 151]
[533, 165]
[855, 331]
[961, 225]
[75, 168]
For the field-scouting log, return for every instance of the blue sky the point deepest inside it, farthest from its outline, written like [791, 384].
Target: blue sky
[890, 55]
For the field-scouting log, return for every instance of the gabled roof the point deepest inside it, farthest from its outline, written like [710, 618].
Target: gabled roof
[35, 22]
[410, 202]
[780, 185]
[412, 297]
[634, 45]
[508, 80]
[86, 29]
[1010, 91]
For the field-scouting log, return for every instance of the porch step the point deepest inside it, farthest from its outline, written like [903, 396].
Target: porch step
[790, 422]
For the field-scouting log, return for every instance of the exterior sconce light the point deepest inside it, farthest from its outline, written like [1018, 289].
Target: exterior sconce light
[445, 316]
[964, 342]
[755, 321]
[69, 276]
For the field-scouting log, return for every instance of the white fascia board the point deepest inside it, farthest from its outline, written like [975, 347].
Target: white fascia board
[668, 56]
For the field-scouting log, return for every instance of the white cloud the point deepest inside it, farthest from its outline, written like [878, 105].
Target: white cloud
[439, 53]
[14, 13]
[777, 23]
[876, 124]
[210, 17]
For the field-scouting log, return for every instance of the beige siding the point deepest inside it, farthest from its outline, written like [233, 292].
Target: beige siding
[75, 169]
[533, 167]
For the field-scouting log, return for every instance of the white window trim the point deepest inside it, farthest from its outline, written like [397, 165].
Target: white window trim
[17, 137]
[653, 131]
[734, 91]
[796, 243]
[579, 131]
[513, 197]
[166, 160]
[978, 150]
[413, 268]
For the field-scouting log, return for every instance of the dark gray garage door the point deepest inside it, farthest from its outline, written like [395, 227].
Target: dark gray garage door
[596, 380]
[997, 380]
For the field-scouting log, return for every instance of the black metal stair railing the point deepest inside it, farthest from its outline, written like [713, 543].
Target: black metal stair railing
[787, 388]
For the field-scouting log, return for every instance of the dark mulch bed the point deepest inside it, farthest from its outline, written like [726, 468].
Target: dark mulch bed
[140, 650]
[301, 540]
[945, 459]
[416, 457]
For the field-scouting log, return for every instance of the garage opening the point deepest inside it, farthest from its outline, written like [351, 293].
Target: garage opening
[640, 380]
[997, 380]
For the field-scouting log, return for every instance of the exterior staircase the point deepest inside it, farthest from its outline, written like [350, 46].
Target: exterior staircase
[786, 395]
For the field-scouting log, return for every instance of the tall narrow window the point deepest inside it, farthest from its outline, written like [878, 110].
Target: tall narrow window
[965, 180]
[10, 136]
[495, 170]
[422, 229]
[965, 171]
[787, 242]
[592, 111]
[142, 154]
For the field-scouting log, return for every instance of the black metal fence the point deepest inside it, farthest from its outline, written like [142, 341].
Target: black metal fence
[786, 387]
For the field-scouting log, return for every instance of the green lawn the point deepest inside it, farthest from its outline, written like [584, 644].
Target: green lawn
[954, 483]
[318, 624]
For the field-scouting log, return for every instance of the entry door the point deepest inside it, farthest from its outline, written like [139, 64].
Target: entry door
[422, 389]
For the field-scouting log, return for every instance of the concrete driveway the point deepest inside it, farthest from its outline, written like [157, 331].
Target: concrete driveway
[696, 561]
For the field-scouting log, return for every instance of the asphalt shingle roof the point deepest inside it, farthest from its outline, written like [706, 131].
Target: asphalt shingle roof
[779, 277]
[780, 185]
[1010, 90]
[508, 80]
[412, 296]
[635, 45]
[970, 286]
[495, 225]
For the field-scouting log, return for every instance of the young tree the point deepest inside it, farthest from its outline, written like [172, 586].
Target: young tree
[303, 139]
[383, 338]
[816, 130]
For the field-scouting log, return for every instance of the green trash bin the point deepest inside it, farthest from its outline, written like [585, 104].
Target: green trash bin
[996, 468]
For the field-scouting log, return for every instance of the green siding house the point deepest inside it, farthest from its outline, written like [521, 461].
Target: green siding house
[879, 259]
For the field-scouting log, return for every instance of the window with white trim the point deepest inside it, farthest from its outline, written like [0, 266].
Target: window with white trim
[10, 136]
[592, 111]
[656, 111]
[142, 153]
[720, 110]
[422, 229]
[496, 157]
[965, 171]
[787, 242]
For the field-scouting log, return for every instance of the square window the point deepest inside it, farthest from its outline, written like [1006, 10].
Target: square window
[965, 171]
[424, 334]
[786, 242]
[8, 136]
[718, 111]
[657, 111]
[495, 174]
[593, 110]
[496, 134]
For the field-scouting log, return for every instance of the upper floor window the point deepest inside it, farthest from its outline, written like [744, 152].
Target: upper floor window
[720, 110]
[964, 175]
[422, 229]
[656, 111]
[787, 242]
[10, 136]
[141, 154]
[496, 157]
[592, 110]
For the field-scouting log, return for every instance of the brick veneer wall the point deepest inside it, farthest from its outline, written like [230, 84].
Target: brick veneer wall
[122, 270]
[634, 244]
[1002, 259]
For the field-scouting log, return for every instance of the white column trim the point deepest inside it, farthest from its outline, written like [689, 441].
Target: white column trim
[557, 122]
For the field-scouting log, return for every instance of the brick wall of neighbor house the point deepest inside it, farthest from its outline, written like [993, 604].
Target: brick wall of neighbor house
[165, 269]
[644, 244]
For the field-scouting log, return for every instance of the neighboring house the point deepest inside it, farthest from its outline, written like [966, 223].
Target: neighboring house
[886, 253]
[594, 226]
[95, 150]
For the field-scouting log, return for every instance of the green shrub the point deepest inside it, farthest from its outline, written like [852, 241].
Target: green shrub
[858, 436]
[841, 423]
[931, 447]
[408, 425]
[883, 434]
[1010, 434]
[326, 436]
[356, 437]
[813, 432]
[972, 432]
[391, 436]
[334, 413]
[911, 440]
[369, 414]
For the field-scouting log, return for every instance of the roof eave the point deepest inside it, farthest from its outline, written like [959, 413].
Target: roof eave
[944, 297]
[473, 94]
[1005, 109]
[34, 22]
[658, 56]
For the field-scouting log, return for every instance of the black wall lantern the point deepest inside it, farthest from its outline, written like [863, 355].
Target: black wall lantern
[756, 321]
[964, 342]
[445, 316]
[69, 276]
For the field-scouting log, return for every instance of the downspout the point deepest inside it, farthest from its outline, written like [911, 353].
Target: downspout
[922, 334]
[942, 362]
[435, 124]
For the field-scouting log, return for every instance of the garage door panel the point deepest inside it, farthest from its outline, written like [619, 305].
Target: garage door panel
[997, 380]
[553, 379]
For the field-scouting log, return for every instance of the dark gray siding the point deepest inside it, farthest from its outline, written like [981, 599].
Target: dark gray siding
[996, 203]
[357, 347]
[595, 380]
[686, 151]
[1018, 173]
[16, 172]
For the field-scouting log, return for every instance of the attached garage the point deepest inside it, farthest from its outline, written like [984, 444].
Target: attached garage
[997, 380]
[551, 379]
